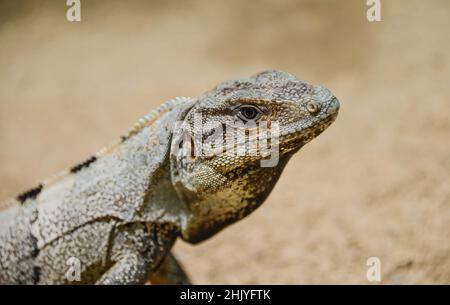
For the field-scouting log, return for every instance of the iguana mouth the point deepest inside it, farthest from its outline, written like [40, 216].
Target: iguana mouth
[292, 142]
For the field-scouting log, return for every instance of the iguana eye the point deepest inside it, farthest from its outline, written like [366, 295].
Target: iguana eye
[249, 113]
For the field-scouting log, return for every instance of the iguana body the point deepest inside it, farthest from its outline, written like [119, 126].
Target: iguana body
[116, 216]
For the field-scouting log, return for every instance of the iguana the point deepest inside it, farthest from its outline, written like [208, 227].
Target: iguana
[114, 218]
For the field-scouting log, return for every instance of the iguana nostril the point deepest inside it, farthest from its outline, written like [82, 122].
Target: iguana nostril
[313, 107]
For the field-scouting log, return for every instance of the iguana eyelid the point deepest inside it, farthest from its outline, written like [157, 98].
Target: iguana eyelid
[237, 111]
[237, 107]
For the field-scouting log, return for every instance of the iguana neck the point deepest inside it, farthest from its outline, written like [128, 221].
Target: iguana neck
[145, 156]
[212, 210]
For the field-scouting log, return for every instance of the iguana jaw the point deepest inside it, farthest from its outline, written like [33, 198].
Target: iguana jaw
[208, 210]
[294, 141]
[211, 211]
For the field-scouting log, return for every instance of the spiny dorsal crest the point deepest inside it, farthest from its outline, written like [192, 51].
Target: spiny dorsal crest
[143, 122]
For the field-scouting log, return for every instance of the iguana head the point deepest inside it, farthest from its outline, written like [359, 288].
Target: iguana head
[235, 141]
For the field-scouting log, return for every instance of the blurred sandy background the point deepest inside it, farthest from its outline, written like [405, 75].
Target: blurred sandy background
[375, 184]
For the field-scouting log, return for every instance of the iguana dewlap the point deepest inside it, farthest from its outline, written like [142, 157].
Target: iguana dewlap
[188, 169]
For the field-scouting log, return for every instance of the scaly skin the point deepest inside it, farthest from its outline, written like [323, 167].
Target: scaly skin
[118, 214]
